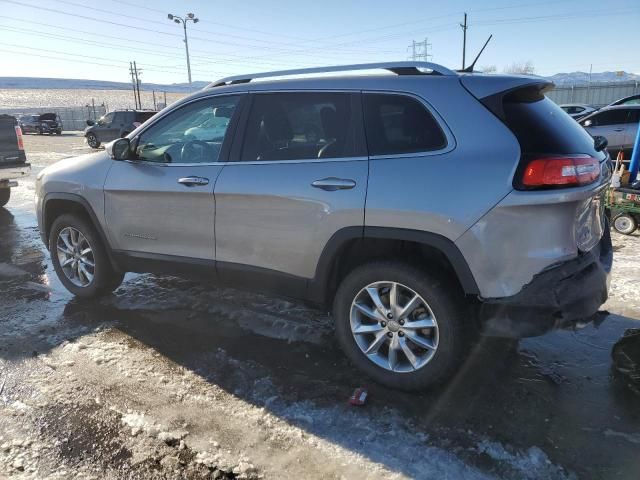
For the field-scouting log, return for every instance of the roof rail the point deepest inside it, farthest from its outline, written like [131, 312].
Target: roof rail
[399, 68]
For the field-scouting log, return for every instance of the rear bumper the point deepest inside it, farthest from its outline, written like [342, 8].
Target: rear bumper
[565, 296]
[12, 172]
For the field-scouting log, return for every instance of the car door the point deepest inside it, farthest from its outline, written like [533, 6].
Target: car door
[160, 203]
[610, 124]
[297, 175]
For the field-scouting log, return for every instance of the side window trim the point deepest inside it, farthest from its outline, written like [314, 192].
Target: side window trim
[226, 144]
[357, 129]
[450, 139]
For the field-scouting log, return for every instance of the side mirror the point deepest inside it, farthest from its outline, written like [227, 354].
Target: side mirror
[90, 123]
[600, 143]
[120, 149]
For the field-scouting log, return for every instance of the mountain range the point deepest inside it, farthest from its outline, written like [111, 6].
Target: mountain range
[572, 78]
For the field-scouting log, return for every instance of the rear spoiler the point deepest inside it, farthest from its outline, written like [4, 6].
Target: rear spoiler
[491, 90]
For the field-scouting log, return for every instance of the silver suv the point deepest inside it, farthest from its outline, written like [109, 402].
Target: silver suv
[422, 207]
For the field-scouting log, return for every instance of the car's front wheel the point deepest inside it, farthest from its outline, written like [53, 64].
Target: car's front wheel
[402, 327]
[92, 140]
[80, 259]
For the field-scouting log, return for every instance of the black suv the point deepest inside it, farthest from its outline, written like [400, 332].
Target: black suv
[13, 162]
[41, 123]
[116, 124]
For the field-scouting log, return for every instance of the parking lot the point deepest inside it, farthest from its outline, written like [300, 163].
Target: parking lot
[168, 378]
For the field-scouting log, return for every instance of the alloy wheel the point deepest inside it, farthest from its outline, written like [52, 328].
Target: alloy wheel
[394, 327]
[75, 256]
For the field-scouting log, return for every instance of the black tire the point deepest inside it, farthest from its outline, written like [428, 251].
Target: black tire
[625, 223]
[58, 132]
[5, 195]
[40, 131]
[105, 279]
[92, 140]
[445, 301]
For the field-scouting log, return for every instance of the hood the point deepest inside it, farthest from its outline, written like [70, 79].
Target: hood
[73, 166]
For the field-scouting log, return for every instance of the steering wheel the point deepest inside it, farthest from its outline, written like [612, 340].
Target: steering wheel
[197, 151]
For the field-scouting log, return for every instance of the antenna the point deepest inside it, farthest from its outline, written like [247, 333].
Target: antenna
[469, 69]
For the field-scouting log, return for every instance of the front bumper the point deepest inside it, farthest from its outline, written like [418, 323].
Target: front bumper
[565, 296]
[11, 172]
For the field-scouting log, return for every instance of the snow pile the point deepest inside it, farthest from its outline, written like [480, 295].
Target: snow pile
[532, 464]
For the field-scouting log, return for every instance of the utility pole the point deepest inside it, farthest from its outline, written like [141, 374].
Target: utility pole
[133, 82]
[188, 17]
[464, 39]
[135, 68]
[154, 100]
[589, 84]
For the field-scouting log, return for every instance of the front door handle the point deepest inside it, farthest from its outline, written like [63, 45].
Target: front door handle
[331, 184]
[618, 129]
[193, 181]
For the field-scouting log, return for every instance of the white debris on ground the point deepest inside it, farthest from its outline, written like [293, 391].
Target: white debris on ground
[105, 407]
[626, 271]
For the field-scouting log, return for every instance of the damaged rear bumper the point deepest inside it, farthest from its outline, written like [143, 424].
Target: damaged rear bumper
[565, 296]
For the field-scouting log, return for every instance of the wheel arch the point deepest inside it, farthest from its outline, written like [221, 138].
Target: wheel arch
[353, 246]
[56, 204]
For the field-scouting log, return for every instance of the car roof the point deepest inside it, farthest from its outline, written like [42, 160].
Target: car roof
[635, 106]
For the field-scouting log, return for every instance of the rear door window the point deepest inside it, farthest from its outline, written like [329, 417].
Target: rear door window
[608, 117]
[299, 126]
[398, 124]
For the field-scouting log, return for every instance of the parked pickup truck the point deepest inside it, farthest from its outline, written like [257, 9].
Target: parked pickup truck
[13, 162]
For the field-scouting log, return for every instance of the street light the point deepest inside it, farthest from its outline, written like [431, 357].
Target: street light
[188, 17]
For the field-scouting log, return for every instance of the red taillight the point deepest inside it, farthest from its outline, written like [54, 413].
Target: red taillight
[561, 171]
[19, 135]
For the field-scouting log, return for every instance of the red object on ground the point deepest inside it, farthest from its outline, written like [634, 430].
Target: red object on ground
[359, 397]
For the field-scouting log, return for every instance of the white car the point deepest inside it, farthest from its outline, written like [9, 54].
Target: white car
[578, 110]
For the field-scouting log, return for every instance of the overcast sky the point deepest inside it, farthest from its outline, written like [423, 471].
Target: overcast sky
[97, 39]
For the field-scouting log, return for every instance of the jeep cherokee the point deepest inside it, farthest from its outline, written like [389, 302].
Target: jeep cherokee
[422, 207]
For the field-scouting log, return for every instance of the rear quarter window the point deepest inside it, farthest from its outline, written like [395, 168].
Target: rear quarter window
[542, 127]
[398, 124]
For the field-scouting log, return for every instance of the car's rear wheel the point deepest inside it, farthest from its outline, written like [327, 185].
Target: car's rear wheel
[80, 259]
[5, 195]
[625, 223]
[402, 327]
[92, 140]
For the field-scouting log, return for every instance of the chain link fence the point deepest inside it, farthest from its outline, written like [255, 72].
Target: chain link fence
[596, 94]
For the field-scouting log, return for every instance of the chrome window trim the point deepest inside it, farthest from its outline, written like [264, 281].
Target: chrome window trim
[163, 164]
[448, 134]
[300, 160]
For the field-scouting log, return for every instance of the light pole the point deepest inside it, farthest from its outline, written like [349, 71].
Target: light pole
[188, 17]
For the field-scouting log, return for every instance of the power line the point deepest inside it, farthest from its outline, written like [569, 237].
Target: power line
[127, 47]
[262, 44]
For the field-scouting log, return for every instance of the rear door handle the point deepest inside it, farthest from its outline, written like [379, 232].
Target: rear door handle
[618, 129]
[331, 184]
[193, 181]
